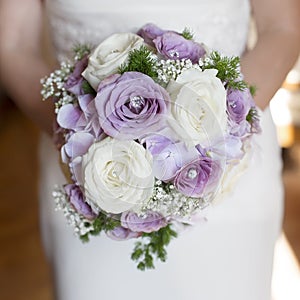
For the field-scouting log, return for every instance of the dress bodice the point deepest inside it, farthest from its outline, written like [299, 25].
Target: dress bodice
[222, 25]
[229, 256]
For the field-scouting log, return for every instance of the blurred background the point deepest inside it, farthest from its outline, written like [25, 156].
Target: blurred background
[24, 272]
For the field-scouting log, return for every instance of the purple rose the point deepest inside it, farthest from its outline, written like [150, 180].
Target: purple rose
[131, 105]
[238, 104]
[75, 80]
[197, 178]
[152, 222]
[77, 200]
[174, 46]
[149, 32]
[120, 234]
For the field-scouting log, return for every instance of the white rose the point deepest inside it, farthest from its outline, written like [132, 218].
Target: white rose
[198, 106]
[109, 56]
[234, 171]
[117, 175]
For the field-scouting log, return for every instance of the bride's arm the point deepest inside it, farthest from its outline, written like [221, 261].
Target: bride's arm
[277, 47]
[21, 62]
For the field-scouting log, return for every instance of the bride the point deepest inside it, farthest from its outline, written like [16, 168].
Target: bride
[230, 256]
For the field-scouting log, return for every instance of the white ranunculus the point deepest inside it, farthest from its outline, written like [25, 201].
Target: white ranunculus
[198, 106]
[117, 175]
[109, 56]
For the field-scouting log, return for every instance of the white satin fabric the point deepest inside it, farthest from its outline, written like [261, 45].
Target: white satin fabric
[230, 256]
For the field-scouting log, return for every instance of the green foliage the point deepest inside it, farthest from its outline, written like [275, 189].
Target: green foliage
[102, 223]
[80, 50]
[228, 70]
[140, 60]
[252, 115]
[87, 88]
[152, 244]
[187, 34]
[167, 187]
[85, 238]
[252, 90]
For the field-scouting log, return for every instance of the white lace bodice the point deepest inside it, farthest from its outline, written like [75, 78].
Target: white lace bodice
[229, 256]
[222, 25]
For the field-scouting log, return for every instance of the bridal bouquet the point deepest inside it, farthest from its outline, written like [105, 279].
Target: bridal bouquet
[154, 127]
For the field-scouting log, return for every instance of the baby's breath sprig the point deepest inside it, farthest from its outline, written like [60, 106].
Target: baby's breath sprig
[81, 50]
[228, 70]
[171, 69]
[140, 60]
[81, 226]
[152, 244]
[187, 34]
[53, 86]
[170, 202]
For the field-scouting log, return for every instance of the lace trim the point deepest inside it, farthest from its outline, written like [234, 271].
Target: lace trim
[221, 25]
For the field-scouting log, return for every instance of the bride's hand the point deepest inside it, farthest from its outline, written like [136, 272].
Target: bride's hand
[21, 60]
[277, 47]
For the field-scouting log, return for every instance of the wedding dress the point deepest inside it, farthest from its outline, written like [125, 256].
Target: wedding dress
[228, 257]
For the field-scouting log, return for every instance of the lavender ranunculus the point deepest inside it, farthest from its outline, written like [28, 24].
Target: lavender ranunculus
[155, 143]
[238, 104]
[197, 178]
[75, 80]
[149, 32]
[58, 135]
[68, 116]
[89, 121]
[241, 129]
[77, 200]
[152, 222]
[77, 145]
[174, 46]
[131, 105]
[120, 234]
[224, 150]
[82, 117]
[168, 156]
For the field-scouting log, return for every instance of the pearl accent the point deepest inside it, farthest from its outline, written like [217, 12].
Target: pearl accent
[192, 173]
